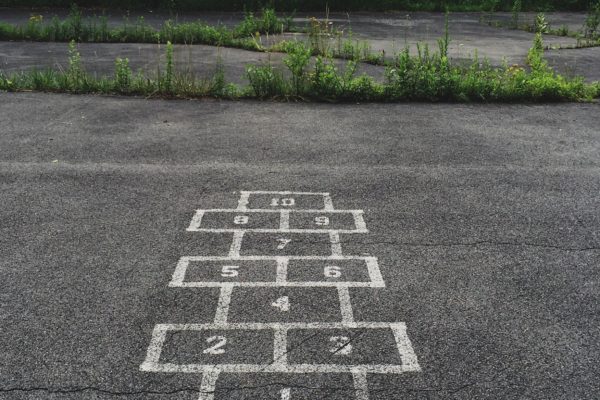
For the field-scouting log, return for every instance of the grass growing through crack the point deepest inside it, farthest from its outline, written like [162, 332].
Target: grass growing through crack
[428, 76]
[96, 29]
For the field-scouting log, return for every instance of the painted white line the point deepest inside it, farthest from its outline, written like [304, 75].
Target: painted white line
[268, 230]
[209, 383]
[236, 244]
[223, 305]
[405, 348]
[274, 258]
[284, 369]
[286, 393]
[287, 193]
[280, 347]
[196, 221]
[282, 284]
[179, 275]
[159, 335]
[284, 220]
[336, 246]
[374, 272]
[281, 325]
[243, 201]
[345, 305]
[359, 221]
[328, 203]
[277, 210]
[361, 386]
[282, 266]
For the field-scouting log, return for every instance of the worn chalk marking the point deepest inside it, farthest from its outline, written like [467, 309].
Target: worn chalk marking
[359, 221]
[405, 348]
[243, 201]
[374, 272]
[284, 220]
[236, 244]
[223, 305]
[409, 361]
[345, 305]
[336, 246]
[208, 384]
[282, 268]
[372, 266]
[360, 385]
[286, 393]
[327, 202]
[196, 221]
[159, 335]
[287, 193]
[280, 347]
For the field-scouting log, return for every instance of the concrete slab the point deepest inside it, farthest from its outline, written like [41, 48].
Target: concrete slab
[484, 219]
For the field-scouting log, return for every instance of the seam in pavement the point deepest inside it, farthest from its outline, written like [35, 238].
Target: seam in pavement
[484, 243]
[94, 389]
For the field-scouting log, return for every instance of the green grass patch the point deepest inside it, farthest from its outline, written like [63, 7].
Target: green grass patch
[96, 29]
[426, 76]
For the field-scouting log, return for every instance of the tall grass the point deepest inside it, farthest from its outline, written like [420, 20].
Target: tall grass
[96, 29]
[428, 76]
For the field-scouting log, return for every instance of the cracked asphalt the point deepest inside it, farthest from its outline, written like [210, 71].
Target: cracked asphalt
[484, 218]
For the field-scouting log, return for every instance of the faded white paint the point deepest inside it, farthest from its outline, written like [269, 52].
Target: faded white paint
[281, 278]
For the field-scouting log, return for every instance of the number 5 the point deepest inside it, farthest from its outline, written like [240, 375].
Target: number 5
[229, 271]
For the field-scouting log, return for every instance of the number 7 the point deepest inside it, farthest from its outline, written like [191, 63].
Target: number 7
[282, 243]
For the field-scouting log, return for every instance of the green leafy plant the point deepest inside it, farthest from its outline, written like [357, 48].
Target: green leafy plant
[592, 21]
[541, 24]
[123, 74]
[297, 58]
[516, 11]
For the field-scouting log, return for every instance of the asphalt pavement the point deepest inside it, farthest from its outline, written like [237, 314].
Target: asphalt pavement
[474, 276]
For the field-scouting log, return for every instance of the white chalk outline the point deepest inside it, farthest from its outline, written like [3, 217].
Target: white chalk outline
[284, 221]
[280, 279]
[279, 365]
[245, 198]
[210, 373]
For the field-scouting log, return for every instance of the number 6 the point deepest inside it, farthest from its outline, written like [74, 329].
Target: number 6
[332, 272]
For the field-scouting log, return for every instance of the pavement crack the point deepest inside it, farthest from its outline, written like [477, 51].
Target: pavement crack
[95, 389]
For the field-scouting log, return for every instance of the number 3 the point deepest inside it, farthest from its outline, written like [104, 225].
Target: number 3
[216, 348]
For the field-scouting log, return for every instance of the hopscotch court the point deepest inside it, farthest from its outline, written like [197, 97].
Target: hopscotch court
[277, 225]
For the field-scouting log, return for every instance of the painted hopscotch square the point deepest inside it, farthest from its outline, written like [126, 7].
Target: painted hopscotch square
[343, 271]
[343, 221]
[286, 244]
[216, 271]
[345, 346]
[285, 201]
[230, 220]
[287, 386]
[271, 304]
[214, 346]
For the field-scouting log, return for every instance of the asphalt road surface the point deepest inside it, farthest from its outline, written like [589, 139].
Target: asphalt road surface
[426, 252]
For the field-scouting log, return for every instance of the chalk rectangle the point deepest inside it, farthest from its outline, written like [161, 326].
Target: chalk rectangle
[277, 271]
[177, 348]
